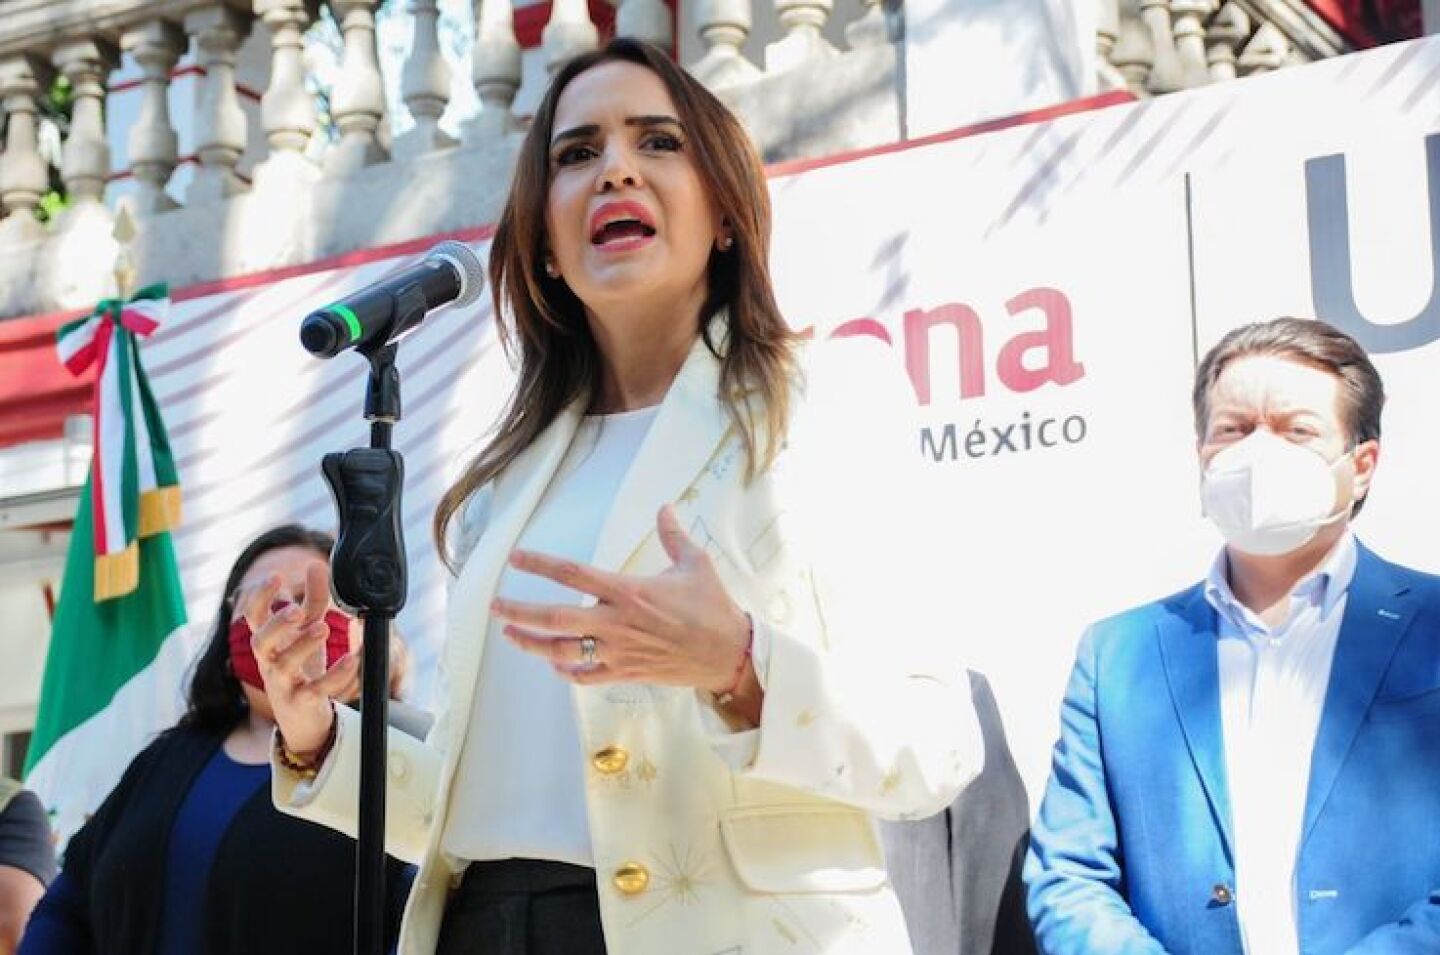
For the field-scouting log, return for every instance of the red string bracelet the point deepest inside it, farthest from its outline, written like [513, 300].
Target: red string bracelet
[727, 696]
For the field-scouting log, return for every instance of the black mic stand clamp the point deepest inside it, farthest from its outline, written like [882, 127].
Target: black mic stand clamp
[368, 576]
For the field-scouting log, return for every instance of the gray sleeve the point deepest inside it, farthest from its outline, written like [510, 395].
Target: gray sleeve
[25, 837]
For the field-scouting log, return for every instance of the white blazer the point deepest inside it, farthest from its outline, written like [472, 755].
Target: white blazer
[867, 711]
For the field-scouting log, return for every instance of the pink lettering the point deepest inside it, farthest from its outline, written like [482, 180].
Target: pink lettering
[1057, 339]
[970, 356]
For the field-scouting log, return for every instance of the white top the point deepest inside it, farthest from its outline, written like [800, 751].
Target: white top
[519, 789]
[1272, 694]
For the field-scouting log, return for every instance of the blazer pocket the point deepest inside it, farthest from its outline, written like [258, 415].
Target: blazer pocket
[1416, 706]
[803, 849]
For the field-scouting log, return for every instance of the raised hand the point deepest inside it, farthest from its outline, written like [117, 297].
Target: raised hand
[288, 646]
[678, 628]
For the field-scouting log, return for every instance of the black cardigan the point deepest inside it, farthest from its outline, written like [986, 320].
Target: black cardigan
[278, 885]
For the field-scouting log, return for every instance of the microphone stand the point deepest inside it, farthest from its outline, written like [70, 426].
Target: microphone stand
[369, 575]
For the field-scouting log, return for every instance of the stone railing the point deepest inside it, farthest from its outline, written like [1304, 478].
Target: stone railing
[266, 190]
[300, 203]
[1163, 46]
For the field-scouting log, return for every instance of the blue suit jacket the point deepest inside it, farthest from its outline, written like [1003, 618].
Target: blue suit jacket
[1132, 850]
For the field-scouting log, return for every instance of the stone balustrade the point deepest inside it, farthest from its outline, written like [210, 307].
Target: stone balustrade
[1162, 46]
[816, 81]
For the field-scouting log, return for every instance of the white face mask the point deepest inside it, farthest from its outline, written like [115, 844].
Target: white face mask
[1269, 496]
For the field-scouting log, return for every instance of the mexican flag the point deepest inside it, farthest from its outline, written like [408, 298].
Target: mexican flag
[117, 652]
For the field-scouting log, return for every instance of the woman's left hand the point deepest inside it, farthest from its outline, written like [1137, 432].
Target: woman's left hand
[679, 628]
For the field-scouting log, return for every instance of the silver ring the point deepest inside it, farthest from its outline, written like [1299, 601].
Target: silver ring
[587, 651]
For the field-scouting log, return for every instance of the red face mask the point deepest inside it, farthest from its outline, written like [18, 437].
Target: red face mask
[242, 657]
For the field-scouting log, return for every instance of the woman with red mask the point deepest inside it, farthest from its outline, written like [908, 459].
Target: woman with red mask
[187, 856]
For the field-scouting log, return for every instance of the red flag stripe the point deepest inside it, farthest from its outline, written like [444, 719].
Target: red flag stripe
[138, 322]
[81, 360]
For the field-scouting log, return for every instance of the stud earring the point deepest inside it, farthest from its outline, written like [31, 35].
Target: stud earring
[726, 241]
[551, 270]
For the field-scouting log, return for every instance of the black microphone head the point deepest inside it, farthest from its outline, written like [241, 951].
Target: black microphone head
[320, 334]
[467, 266]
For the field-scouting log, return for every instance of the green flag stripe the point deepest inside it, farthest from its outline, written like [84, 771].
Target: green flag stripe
[97, 648]
[159, 290]
[124, 352]
[71, 326]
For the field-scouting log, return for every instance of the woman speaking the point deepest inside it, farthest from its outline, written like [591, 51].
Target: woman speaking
[688, 656]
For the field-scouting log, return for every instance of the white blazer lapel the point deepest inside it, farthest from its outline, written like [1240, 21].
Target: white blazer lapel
[517, 494]
[690, 424]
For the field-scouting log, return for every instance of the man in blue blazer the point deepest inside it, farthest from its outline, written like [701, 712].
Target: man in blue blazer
[1252, 766]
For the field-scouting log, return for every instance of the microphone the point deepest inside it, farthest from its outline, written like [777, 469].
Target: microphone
[373, 317]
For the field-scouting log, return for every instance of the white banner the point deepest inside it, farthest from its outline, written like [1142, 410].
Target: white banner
[969, 60]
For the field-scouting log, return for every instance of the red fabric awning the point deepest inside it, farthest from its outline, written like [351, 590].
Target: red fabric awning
[37, 393]
[1367, 23]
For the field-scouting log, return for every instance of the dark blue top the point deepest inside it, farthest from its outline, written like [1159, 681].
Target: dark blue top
[58, 922]
[219, 791]
[222, 787]
[255, 880]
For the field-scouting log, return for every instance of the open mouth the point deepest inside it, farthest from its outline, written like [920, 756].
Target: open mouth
[621, 229]
[620, 222]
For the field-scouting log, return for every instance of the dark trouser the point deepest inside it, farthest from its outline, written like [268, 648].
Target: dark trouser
[523, 907]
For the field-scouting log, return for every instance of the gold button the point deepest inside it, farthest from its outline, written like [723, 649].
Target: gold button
[610, 760]
[632, 878]
[1221, 894]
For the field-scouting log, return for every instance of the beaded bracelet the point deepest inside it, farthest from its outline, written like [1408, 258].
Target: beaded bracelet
[308, 768]
[727, 696]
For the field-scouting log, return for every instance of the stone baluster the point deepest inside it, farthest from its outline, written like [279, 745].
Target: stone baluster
[1134, 54]
[1166, 75]
[219, 121]
[425, 85]
[1268, 50]
[156, 46]
[287, 110]
[85, 163]
[646, 20]
[568, 33]
[1190, 39]
[1227, 33]
[870, 28]
[24, 175]
[358, 101]
[496, 70]
[724, 25]
[802, 22]
[1107, 32]
[1107, 28]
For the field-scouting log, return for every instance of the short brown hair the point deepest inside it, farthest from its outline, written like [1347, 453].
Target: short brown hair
[1309, 342]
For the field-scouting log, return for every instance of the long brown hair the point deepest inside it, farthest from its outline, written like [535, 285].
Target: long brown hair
[559, 361]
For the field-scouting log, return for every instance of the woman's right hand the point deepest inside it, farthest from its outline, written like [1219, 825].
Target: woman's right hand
[287, 645]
